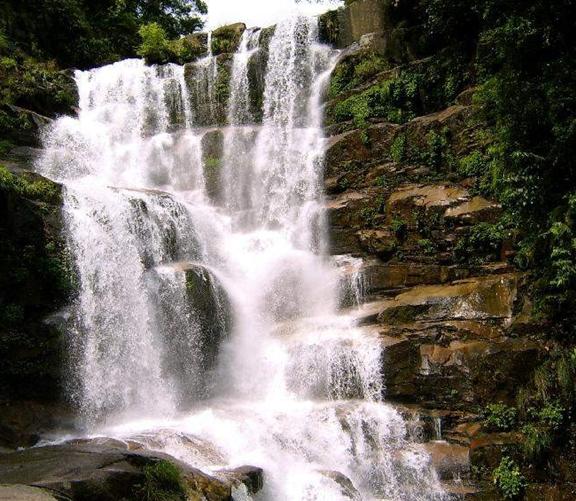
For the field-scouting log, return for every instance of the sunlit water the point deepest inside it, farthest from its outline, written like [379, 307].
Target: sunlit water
[250, 362]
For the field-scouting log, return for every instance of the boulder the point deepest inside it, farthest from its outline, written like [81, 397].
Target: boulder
[226, 39]
[251, 477]
[105, 469]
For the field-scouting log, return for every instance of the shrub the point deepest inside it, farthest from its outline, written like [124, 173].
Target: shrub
[508, 478]
[552, 414]
[500, 417]
[480, 245]
[155, 47]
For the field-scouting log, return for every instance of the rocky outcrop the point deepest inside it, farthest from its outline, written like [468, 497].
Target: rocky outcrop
[106, 469]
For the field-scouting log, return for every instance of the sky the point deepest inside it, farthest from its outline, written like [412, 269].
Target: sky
[261, 13]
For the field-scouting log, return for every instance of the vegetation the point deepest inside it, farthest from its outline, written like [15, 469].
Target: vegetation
[163, 482]
[85, 33]
[508, 478]
[481, 244]
[500, 417]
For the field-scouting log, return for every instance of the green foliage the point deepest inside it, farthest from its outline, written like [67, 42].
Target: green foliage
[427, 246]
[536, 441]
[155, 47]
[85, 33]
[481, 244]
[34, 85]
[212, 163]
[225, 40]
[508, 478]
[398, 150]
[355, 70]
[552, 415]
[500, 417]
[3, 41]
[38, 189]
[163, 482]
[400, 228]
[222, 85]
[436, 154]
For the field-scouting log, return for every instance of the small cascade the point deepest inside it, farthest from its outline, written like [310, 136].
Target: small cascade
[202, 80]
[240, 135]
[209, 319]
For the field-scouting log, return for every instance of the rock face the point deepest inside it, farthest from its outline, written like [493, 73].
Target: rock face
[453, 314]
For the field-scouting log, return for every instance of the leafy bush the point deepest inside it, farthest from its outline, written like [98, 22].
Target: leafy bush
[508, 478]
[436, 154]
[552, 415]
[155, 47]
[500, 417]
[481, 244]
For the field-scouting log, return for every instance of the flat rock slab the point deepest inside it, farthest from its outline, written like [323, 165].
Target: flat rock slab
[24, 493]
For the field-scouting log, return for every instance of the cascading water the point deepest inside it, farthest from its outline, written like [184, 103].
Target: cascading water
[212, 314]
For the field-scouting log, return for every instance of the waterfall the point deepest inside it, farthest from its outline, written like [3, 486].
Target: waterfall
[207, 307]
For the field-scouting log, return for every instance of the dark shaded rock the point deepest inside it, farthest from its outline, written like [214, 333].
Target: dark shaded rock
[23, 422]
[487, 451]
[36, 281]
[213, 310]
[22, 126]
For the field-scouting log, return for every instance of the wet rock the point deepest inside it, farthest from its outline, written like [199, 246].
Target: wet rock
[475, 210]
[427, 196]
[347, 488]
[449, 460]
[212, 305]
[23, 422]
[212, 158]
[29, 125]
[475, 298]
[487, 451]
[251, 477]
[101, 469]
[24, 493]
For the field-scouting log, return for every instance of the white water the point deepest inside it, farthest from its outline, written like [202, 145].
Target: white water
[250, 362]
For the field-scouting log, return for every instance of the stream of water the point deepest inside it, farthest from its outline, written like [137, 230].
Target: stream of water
[207, 320]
